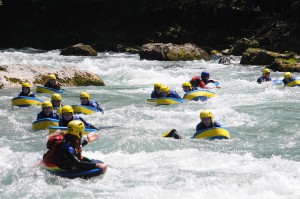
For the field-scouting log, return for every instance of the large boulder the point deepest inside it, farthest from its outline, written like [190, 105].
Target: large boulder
[79, 50]
[286, 65]
[13, 75]
[256, 56]
[172, 52]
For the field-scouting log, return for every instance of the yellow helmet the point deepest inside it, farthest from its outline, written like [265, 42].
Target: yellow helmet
[25, 85]
[67, 109]
[164, 89]
[207, 113]
[187, 84]
[85, 94]
[51, 76]
[76, 127]
[47, 104]
[157, 85]
[55, 96]
[288, 75]
[266, 70]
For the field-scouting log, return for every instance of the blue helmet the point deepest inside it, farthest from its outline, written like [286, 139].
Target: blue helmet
[204, 74]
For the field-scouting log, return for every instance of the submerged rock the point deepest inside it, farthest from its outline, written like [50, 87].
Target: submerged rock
[79, 50]
[172, 52]
[13, 75]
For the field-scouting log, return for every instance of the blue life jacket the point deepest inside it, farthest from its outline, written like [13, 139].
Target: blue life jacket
[52, 115]
[154, 94]
[201, 126]
[94, 104]
[263, 79]
[63, 122]
[174, 94]
[285, 82]
[27, 95]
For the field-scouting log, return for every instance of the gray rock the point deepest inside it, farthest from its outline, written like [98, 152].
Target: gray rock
[172, 52]
[79, 50]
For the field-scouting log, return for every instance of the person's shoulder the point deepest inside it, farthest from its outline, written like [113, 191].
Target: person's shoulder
[217, 124]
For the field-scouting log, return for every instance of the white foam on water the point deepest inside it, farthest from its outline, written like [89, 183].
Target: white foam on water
[260, 161]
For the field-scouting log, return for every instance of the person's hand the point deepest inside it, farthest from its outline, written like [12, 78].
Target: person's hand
[92, 137]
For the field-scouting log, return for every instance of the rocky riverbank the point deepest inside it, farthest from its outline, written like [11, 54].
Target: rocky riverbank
[13, 75]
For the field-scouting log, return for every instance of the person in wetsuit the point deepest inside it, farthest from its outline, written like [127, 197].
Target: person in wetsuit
[265, 77]
[67, 154]
[26, 90]
[155, 92]
[47, 111]
[287, 78]
[202, 81]
[165, 91]
[67, 115]
[207, 121]
[85, 101]
[52, 83]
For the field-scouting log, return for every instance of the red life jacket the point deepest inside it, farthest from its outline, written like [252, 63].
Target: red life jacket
[196, 81]
[53, 141]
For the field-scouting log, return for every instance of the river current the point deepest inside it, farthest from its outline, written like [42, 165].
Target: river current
[261, 160]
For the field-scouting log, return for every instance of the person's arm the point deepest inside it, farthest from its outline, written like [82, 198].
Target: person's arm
[39, 116]
[70, 153]
[202, 85]
[217, 124]
[259, 80]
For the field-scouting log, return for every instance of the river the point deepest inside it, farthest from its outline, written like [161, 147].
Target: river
[261, 160]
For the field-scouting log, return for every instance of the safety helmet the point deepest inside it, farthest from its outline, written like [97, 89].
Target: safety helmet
[67, 109]
[55, 96]
[157, 85]
[25, 85]
[207, 113]
[266, 70]
[47, 104]
[84, 94]
[164, 89]
[288, 75]
[76, 127]
[187, 84]
[51, 76]
[204, 74]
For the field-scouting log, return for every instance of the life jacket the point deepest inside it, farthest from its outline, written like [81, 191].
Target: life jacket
[52, 143]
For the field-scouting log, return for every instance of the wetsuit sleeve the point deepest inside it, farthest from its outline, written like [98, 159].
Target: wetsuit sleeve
[217, 124]
[198, 127]
[87, 125]
[84, 142]
[259, 80]
[153, 94]
[32, 95]
[97, 106]
[39, 116]
[177, 96]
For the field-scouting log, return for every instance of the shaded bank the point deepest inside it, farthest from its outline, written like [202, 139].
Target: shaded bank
[120, 25]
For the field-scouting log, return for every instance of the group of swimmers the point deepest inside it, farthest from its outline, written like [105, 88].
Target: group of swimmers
[67, 154]
[206, 116]
[194, 84]
[287, 77]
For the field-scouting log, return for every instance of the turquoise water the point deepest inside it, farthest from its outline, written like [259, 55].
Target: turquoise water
[262, 160]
